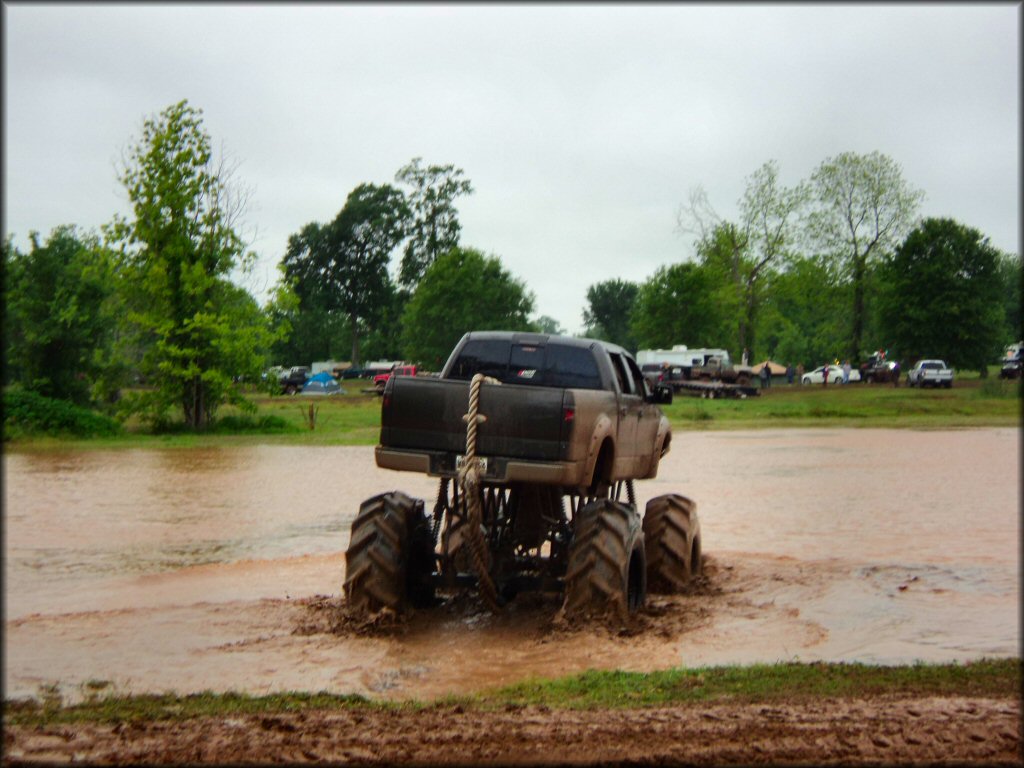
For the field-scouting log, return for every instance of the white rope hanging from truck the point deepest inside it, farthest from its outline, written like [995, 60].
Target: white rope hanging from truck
[469, 480]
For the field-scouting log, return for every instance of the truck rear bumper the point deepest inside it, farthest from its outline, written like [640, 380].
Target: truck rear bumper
[499, 469]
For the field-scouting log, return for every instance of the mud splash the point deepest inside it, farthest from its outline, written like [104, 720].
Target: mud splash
[151, 571]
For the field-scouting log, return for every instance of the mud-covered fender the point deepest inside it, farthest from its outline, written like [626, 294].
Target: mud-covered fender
[664, 439]
[662, 445]
[604, 429]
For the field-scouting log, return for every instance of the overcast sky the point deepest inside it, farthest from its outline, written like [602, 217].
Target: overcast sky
[582, 127]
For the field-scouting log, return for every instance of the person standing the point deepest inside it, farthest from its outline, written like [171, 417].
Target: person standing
[766, 376]
[824, 375]
[846, 372]
[789, 373]
[800, 372]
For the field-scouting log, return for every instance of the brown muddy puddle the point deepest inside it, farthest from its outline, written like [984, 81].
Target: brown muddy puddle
[221, 569]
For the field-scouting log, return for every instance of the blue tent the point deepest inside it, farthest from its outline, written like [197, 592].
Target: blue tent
[322, 384]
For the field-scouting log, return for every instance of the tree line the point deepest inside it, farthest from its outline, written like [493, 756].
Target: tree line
[836, 265]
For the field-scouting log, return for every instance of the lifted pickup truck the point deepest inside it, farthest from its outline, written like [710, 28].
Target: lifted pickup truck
[550, 419]
[877, 369]
[720, 368]
[930, 373]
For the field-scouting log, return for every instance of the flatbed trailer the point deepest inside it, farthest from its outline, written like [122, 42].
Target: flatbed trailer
[715, 389]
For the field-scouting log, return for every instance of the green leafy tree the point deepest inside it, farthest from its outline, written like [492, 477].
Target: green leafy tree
[463, 290]
[200, 334]
[1011, 281]
[434, 228]
[547, 324]
[609, 311]
[60, 318]
[384, 341]
[941, 296]
[342, 266]
[677, 306]
[863, 208]
[804, 315]
[723, 255]
[747, 252]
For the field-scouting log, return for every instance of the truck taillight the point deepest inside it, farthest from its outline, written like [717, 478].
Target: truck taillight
[568, 417]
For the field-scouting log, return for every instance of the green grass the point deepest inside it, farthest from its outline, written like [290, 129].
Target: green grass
[764, 682]
[354, 419]
[970, 403]
[593, 689]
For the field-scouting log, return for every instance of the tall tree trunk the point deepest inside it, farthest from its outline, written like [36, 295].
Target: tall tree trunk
[750, 312]
[859, 269]
[355, 339]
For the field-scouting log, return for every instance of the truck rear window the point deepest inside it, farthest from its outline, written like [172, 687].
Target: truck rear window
[551, 365]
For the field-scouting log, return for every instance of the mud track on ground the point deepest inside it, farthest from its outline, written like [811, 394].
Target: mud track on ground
[928, 731]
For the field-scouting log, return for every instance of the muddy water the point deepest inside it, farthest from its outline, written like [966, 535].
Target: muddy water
[189, 569]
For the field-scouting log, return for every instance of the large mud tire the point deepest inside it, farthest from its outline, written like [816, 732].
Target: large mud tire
[672, 538]
[456, 544]
[390, 555]
[607, 568]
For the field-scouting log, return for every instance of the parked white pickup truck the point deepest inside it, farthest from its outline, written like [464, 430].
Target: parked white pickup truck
[930, 373]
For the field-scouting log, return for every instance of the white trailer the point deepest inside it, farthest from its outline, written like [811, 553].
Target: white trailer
[330, 366]
[682, 355]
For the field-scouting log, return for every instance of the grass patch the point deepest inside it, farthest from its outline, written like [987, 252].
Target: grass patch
[977, 403]
[996, 678]
[764, 683]
[232, 424]
[119, 709]
[994, 387]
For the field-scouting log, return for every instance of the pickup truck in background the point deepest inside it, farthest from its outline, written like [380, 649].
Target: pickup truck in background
[381, 379]
[877, 369]
[536, 440]
[294, 379]
[1012, 366]
[930, 373]
[720, 368]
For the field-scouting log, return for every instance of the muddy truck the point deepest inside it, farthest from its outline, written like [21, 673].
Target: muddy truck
[536, 441]
[717, 368]
[877, 369]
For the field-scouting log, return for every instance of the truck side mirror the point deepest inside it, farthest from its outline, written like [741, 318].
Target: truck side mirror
[662, 395]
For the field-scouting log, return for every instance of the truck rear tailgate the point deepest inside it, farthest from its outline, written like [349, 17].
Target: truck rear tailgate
[525, 422]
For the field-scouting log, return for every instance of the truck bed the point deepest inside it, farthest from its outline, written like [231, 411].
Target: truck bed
[422, 425]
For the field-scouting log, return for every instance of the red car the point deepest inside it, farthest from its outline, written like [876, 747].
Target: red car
[381, 379]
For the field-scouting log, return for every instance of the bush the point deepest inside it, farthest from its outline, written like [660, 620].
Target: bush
[263, 425]
[27, 413]
[996, 387]
[227, 425]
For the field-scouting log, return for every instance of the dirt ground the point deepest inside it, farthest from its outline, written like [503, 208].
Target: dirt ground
[927, 731]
